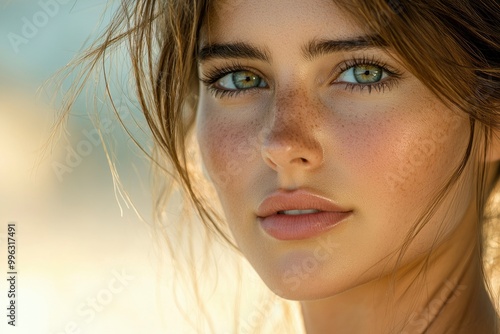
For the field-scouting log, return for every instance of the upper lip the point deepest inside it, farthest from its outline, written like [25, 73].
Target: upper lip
[295, 200]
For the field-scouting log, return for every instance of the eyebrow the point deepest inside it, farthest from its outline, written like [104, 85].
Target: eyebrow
[321, 47]
[232, 50]
[313, 49]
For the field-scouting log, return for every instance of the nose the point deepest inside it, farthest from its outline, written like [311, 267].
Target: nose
[291, 139]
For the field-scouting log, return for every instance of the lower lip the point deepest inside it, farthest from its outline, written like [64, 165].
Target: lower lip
[297, 227]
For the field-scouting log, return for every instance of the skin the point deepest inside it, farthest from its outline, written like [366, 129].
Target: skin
[383, 154]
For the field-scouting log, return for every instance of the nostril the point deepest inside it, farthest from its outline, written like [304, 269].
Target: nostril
[300, 161]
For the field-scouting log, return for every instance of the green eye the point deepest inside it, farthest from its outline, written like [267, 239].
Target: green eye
[367, 73]
[363, 74]
[241, 80]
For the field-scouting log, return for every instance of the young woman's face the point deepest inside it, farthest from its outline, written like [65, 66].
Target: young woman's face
[295, 102]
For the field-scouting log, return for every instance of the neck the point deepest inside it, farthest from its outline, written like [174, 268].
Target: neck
[443, 292]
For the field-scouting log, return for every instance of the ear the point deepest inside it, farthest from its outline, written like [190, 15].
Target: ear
[494, 149]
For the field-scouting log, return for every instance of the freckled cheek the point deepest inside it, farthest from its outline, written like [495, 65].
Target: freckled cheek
[429, 157]
[402, 159]
[388, 154]
[365, 149]
[228, 150]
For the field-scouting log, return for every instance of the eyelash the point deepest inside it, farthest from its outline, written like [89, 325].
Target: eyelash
[393, 75]
[217, 73]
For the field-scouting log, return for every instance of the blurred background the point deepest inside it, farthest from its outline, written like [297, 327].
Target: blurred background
[85, 262]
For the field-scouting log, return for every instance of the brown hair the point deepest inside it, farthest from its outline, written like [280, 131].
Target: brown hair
[450, 46]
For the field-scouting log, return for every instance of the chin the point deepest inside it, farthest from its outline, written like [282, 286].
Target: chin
[308, 292]
[303, 286]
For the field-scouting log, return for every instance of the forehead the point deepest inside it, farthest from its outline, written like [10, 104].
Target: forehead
[256, 19]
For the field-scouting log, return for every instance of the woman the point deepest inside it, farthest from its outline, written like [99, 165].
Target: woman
[352, 146]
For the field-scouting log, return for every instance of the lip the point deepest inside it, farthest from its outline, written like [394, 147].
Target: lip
[298, 227]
